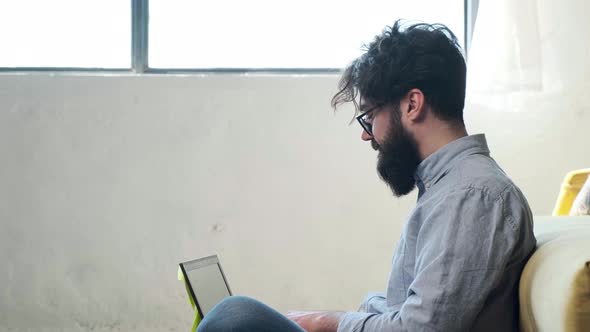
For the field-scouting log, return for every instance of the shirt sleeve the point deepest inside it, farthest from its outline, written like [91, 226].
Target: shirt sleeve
[374, 302]
[463, 247]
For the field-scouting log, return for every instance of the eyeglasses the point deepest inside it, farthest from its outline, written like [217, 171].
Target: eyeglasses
[366, 120]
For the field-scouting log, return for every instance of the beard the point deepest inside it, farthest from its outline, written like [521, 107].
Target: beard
[398, 158]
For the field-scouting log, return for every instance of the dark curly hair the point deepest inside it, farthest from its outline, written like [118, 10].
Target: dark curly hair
[422, 56]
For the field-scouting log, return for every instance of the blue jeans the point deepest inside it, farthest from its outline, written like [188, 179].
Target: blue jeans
[243, 314]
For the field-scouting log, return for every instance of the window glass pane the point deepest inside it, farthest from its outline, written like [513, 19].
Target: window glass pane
[279, 34]
[65, 33]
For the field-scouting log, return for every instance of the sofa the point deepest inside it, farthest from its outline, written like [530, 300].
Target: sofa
[555, 284]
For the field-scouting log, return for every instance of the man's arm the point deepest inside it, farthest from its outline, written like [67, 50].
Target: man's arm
[463, 249]
[328, 320]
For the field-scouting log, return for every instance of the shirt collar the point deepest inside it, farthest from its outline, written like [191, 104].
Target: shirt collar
[431, 169]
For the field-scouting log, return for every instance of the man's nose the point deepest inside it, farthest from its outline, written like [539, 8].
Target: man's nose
[365, 136]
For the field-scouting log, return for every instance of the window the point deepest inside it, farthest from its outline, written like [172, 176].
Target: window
[65, 33]
[279, 34]
[203, 35]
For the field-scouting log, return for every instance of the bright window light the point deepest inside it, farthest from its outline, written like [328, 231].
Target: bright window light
[280, 34]
[65, 33]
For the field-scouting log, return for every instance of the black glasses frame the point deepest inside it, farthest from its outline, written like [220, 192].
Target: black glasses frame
[367, 126]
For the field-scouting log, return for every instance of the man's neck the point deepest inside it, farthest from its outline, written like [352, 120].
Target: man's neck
[439, 136]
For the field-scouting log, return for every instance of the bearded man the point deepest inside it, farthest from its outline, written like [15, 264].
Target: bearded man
[457, 264]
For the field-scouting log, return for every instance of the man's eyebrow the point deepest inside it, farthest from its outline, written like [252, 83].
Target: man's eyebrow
[364, 107]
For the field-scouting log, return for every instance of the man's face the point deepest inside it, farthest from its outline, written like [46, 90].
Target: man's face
[398, 151]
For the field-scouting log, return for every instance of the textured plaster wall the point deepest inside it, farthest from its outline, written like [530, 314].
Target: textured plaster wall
[107, 182]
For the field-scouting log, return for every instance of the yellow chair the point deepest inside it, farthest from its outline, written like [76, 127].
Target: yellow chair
[572, 183]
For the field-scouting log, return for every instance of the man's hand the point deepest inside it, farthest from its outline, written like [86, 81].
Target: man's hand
[316, 321]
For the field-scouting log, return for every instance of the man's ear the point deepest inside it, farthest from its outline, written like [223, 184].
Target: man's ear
[416, 109]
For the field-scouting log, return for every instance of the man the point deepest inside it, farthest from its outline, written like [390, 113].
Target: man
[463, 247]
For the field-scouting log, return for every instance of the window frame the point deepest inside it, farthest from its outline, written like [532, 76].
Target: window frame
[140, 54]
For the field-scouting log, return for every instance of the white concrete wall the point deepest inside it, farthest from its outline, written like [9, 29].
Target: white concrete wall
[107, 182]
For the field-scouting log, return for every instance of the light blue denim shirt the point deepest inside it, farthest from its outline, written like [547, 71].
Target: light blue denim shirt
[462, 249]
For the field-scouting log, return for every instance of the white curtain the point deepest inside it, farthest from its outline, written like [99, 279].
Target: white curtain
[527, 51]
